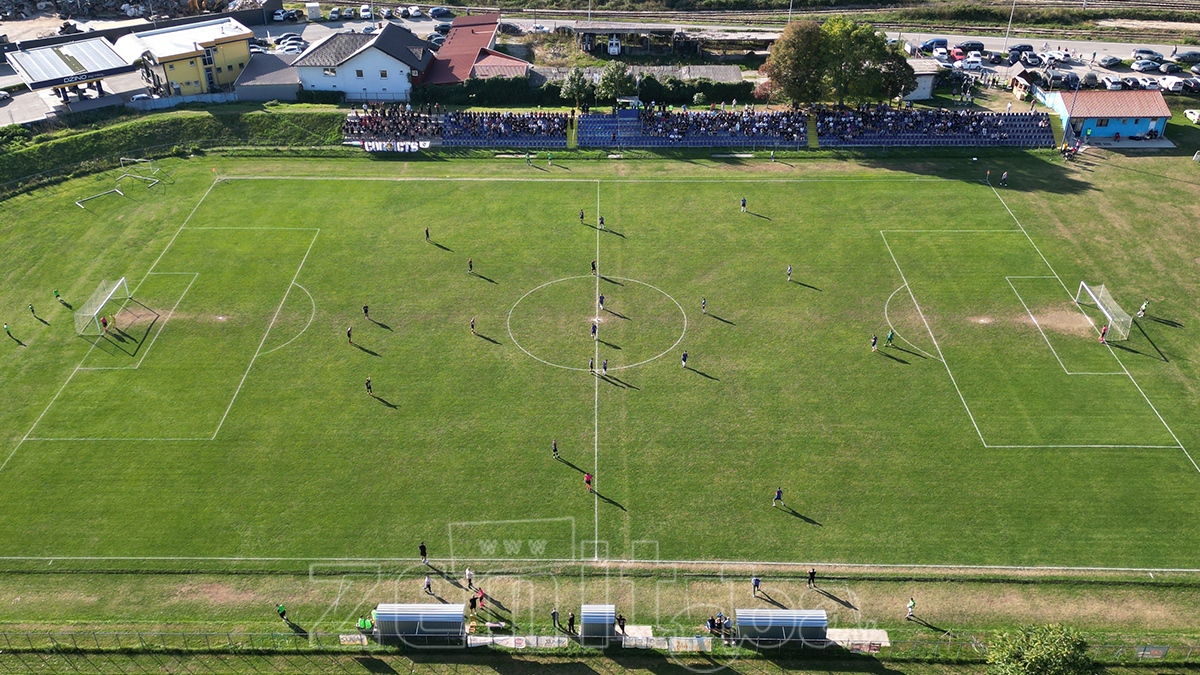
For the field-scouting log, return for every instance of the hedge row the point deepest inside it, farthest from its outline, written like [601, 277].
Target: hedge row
[316, 128]
[516, 91]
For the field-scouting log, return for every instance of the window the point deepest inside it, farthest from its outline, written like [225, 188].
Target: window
[1101, 123]
[358, 74]
[170, 66]
[208, 57]
[1137, 121]
[241, 66]
[192, 62]
[1124, 121]
[330, 72]
[383, 74]
[218, 69]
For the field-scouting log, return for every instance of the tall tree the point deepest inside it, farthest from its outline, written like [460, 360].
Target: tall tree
[796, 66]
[576, 86]
[614, 81]
[853, 52]
[897, 78]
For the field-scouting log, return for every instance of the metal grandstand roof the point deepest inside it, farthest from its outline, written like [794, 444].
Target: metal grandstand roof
[70, 63]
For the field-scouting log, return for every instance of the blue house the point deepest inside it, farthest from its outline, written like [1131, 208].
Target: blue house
[1111, 114]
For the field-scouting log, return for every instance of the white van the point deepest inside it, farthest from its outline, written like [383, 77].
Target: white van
[1171, 83]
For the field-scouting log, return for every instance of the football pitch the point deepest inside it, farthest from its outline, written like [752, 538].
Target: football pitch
[226, 416]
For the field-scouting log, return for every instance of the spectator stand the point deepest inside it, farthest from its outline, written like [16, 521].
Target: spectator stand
[531, 130]
[782, 626]
[885, 126]
[662, 127]
[392, 127]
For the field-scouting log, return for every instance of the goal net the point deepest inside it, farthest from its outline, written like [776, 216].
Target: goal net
[1119, 322]
[87, 318]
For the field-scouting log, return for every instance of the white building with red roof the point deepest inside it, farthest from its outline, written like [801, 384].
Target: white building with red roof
[469, 51]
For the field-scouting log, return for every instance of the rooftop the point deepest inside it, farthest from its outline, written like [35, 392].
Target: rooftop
[1115, 104]
[80, 61]
[467, 53]
[394, 40]
[165, 43]
[269, 69]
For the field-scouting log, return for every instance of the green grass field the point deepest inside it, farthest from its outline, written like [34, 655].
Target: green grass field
[227, 417]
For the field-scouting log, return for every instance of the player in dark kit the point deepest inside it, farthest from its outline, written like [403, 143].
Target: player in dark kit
[367, 312]
[369, 392]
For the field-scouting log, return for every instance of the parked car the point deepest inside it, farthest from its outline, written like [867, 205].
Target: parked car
[1144, 65]
[404, 13]
[1195, 70]
[1192, 115]
[1174, 84]
[4, 95]
[1110, 61]
[994, 57]
[433, 36]
[335, 14]
[348, 13]
[294, 15]
[1021, 48]
[364, 12]
[1188, 57]
[1090, 80]
[438, 41]
[1111, 83]
[286, 36]
[292, 49]
[415, 12]
[1169, 67]
[970, 46]
[279, 15]
[1031, 59]
[956, 54]
[1146, 54]
[386, 12]
[255, 49]
[1148, 82]
[442, 28]
[439, 12]
[1191, 85]
[369, 29]
[1130, 83]
[969, 63]
[929, 46]
[940, 53]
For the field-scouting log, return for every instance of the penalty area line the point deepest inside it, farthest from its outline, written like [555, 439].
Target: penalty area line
[263, 341]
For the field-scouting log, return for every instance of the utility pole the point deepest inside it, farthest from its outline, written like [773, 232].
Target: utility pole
[1010, 18]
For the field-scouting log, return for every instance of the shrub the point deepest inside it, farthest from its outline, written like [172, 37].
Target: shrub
[1040, 650]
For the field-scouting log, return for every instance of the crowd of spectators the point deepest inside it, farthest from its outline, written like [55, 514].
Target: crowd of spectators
[505, 125]
[392, 122]
[788, 126]
[883, 120]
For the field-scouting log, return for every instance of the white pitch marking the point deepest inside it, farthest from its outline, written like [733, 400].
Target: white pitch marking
[311, 316]
[268, 332]
[89, 351]
[893, 328]
[596, 396]
[1110, 349]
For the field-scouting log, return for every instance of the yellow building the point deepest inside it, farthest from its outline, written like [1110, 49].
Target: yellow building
[198, 58]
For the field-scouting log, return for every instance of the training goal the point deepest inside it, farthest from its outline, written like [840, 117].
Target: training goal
[1119, 322]
[88, 316]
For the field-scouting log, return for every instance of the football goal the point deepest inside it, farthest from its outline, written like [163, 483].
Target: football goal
[1119, 322]
[88, 316]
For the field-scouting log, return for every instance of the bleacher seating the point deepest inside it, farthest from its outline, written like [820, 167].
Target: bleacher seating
[667, 129]
[889, 127]
[534, 131]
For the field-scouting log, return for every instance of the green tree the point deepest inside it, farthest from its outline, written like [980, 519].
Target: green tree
[897, 78]
[796, 66]
[853, 53]
[576, 86]
[614, 81]
[1040, 650]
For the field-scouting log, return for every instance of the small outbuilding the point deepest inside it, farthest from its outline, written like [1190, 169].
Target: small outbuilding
[597, 624]
[782, 625]
[423, 622]
[268, 77]
[926, 71]
[1111, 114]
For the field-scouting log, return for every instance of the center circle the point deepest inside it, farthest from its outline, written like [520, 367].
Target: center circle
[639, 323]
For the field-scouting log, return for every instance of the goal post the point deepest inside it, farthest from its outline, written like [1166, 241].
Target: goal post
[88, 316]
[1119, 321]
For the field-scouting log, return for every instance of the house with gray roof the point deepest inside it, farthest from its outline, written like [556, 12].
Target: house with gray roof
[368, 67]
[268, 77]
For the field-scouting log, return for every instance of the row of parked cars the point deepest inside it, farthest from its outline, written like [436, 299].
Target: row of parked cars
[366, 12]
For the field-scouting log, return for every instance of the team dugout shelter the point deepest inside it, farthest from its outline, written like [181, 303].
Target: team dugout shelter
[597, 624]
[71, 67]
[780, 626]
[421, 623]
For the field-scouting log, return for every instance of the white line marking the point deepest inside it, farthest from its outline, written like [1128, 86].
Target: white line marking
[267, 333]
[596, 395]
[310, 229]
[101, 440]
[942, 357]
[650, 563]
[1039, 327]
[311, 316]
[893, 328]
[410, 179]
[1110, 349]
[1160, 447]
[195, 275]
[89, 351]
